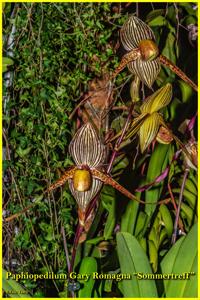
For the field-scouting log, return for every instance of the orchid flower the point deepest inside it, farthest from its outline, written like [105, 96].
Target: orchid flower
[87, 176]
[150, 125]
[143, 59]
[147, 124]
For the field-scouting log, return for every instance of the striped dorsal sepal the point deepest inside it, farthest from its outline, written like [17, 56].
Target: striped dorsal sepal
[86, 147]
[137, 37]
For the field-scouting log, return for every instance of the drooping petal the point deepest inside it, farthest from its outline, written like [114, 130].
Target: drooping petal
[166, 62]
[133, 32]
[147, 71]
[86, 147]
[69, 173]
[110, 181]
[157, 100]
[83, 198]
[149, 130]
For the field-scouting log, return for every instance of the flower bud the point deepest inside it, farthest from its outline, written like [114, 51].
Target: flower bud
[148, 50]
[82, 180]
[164, 136]
[193, 151]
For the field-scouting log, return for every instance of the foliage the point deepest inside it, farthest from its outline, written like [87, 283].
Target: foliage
[6, 63]
[173, 263]
[134, 261]
[58, 48]
[13, 287]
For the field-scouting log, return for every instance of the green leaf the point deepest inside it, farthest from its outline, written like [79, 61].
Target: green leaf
[190, 20]
[153, 255]
[182, 258]
[158, 21]
[186, 91]
[141, 222]
[157, 164]
[154, 14]
[6, 63]
[133, 259]
[188, 212]
[88, 266]
[95, 240]
[14, 288]
[170, 50]
[166, 218]
[191, 186]
[128, 219]
[188, 7]
[121, 162]
[109, 202]
[23, 152]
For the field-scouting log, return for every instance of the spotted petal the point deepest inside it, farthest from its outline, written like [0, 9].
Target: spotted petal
[133, 32]
[147, 71]
[149, 130]
[86, 147]
[157, 100]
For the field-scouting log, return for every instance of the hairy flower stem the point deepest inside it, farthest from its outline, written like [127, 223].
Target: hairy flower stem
[79, 230]
[174, 236]
[66, 254]
[93, 202]
[65, 248]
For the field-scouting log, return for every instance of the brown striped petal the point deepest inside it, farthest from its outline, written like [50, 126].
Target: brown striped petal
[133, 32]
[147, 71]
[86, 147]
[84, 198]
[149, 130]
[157, 100]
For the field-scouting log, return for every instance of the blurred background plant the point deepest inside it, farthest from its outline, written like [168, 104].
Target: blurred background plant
[51, 53]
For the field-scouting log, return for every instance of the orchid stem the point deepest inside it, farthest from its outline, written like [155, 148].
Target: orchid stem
[66, 255]
[174, 236]
[65, 248]
[172, 197]
[79, 230]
